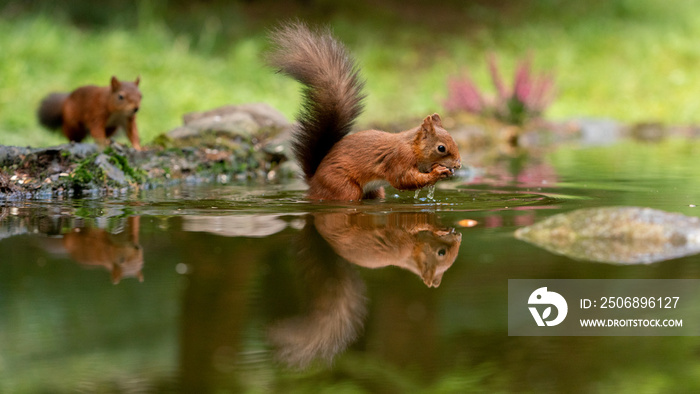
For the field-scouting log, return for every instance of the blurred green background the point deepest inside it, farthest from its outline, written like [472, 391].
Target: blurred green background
[631, 60]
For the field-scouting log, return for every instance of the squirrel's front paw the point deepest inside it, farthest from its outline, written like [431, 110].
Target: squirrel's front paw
[442, 172]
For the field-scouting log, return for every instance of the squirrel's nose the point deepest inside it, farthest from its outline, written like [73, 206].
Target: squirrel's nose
[136, 109]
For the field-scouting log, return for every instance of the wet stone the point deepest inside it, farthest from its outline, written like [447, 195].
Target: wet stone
[618, 235]
[111, 171]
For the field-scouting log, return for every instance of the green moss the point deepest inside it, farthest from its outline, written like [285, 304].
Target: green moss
[86, 172]
[136, 174]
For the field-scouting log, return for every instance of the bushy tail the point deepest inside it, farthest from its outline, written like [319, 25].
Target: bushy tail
[50, 112]
[332, 93]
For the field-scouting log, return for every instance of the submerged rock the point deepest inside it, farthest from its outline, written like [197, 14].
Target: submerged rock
[618, 235]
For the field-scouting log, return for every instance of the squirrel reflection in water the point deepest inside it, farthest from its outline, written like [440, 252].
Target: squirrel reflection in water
[337, 306]
[120, 254]
[411, 241]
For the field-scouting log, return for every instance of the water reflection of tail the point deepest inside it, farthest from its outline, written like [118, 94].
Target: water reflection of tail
[409, 240]
[336, 306]
[120, 254]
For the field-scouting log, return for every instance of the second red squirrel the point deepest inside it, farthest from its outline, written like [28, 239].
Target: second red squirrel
[95, 110]
[342, 166]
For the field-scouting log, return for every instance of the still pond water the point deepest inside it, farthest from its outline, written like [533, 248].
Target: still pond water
[250, 288]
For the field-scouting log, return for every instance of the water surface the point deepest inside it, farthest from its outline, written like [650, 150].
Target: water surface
[252, 288]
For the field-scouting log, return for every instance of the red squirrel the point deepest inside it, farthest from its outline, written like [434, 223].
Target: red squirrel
[96, 110]
[342, 166]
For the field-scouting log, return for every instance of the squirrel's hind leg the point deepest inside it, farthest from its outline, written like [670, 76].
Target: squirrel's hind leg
[338, 190]
[74, 131]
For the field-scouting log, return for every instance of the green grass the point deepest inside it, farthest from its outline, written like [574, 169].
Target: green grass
[44, 56]
[623, 59]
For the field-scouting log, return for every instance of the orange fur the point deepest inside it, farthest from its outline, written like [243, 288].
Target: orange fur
[95, 110]
[412, 241]
[338, 165]
[97, 247]
[360, 164]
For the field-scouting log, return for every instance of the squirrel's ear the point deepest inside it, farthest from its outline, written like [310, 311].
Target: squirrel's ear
[428, 125]
[138, 79]
[115, 83]
[436, 120]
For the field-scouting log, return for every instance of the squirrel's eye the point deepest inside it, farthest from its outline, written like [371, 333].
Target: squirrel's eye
[441, 148]
[441, 252]
[121, 96]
